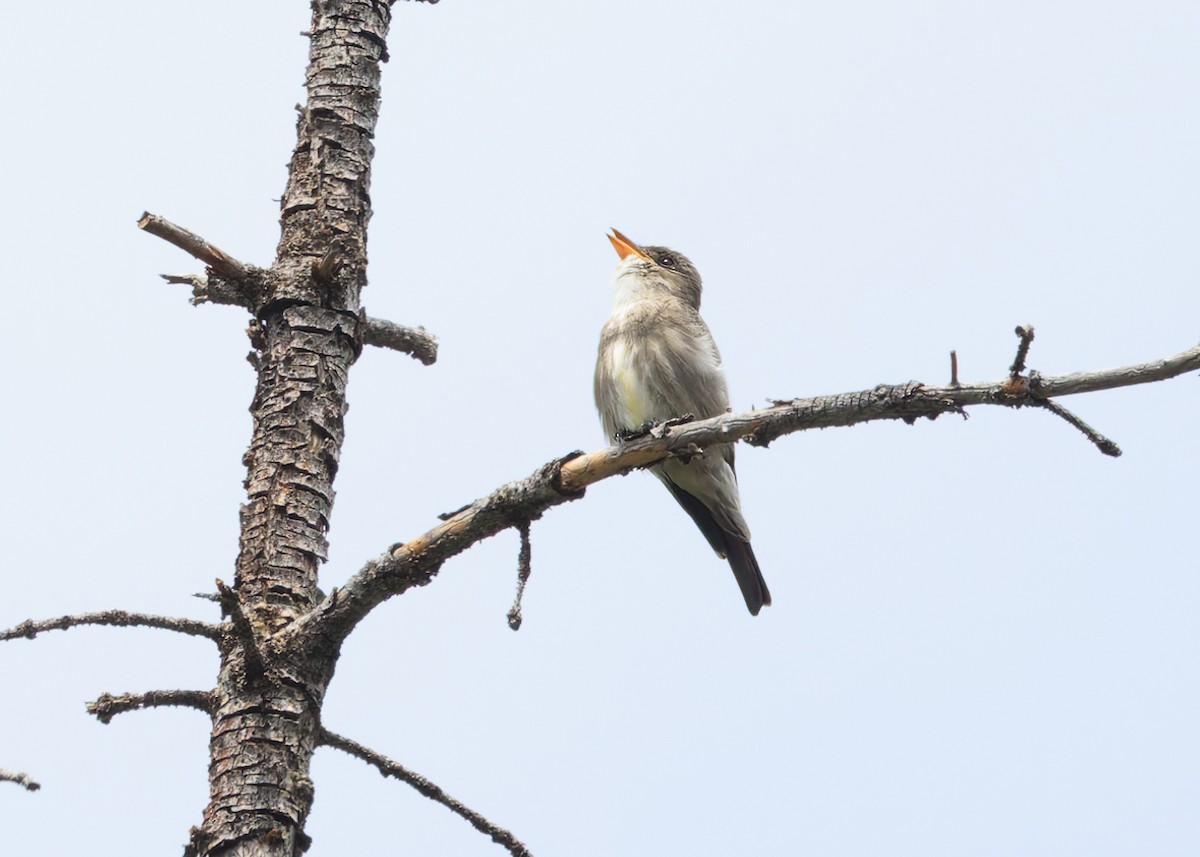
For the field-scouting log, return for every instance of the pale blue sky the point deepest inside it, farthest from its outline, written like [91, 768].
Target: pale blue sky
[984, 636]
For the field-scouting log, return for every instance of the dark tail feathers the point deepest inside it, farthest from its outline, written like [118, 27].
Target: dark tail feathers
[749, 575]
[739, 553]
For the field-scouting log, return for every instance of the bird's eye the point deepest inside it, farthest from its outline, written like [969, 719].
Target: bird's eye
[667, 261]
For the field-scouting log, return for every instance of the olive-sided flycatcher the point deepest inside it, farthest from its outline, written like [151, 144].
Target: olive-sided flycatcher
[657, 362]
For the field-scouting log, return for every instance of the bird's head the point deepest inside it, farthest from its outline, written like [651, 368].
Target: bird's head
[651, 271]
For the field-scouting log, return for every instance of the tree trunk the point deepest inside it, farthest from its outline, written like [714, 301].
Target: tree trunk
[266, 712]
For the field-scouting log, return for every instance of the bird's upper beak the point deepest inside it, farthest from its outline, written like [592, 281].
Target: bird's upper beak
[625, 247]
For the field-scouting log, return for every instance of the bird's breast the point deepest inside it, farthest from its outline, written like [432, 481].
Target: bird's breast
[633, 403]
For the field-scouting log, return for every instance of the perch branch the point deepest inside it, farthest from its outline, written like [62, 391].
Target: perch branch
[389, 768]
[108, 706]
[416, 562]
[20, 779]
[30, 628]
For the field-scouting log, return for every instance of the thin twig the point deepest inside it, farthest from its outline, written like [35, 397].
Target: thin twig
[1102, 443]
[523, 570]
[20, 779]
[389, 768]
[954, 369]
[231, 605]
[107, 706]
[1026, 333]
[409, 340]
[31, 628]
[190, 242]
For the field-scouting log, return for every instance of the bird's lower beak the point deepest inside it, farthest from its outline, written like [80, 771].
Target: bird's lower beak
[625, 247]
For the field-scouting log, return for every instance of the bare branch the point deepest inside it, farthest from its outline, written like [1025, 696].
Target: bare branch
[410, 340]
[20, 779]
[389, 768]
[209, 254]
[30, 628]
[914, 400]
[107, 706]
[416, 562]
[1122, 376]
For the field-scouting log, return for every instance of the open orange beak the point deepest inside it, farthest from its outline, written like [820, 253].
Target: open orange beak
[625, 247]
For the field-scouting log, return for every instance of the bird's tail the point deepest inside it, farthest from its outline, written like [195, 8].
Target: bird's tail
[749, 575]
[729, 545]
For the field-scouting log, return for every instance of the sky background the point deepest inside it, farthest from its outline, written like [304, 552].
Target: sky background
[984, 637]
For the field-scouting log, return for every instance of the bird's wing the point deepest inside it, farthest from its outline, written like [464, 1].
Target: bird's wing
[688, 374]
[709, 479]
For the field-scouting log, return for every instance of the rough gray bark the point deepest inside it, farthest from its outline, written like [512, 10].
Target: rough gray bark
[266, 708]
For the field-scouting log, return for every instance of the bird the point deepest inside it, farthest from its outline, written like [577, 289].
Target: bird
[658, 361]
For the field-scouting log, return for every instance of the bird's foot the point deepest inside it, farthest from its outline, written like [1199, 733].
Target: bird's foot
[626, 435]
[652, 428]
[660, 430]
[678, 421]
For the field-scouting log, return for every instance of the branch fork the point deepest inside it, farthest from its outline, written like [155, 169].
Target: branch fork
[1026, 388]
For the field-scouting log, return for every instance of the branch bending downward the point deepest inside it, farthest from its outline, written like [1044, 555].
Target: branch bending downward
[416, 562]
[389, 768]
[30, 628]
[20, 779]
[107, 706]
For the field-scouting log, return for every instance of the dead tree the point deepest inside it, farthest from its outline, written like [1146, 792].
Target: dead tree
[281, 637]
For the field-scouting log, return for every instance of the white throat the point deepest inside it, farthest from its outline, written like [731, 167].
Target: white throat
[632, 283]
